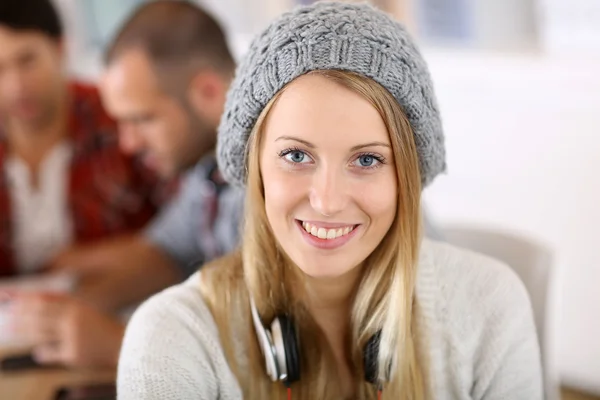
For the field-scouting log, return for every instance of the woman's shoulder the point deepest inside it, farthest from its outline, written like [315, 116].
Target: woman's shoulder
[171, 348]
[178, 313]
[478, 314]
[480, 323]
[459, 273]
[186, 303]
[182, 302]
[464, 293]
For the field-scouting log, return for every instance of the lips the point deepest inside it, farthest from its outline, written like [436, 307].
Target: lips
[327, 236]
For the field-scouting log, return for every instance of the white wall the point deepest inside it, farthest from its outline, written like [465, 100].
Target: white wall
[523, 142]
[238, 20]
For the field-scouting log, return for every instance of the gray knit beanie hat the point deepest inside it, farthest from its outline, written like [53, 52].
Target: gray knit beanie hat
[324, 36]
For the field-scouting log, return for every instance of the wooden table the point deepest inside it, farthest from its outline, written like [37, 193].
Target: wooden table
[42, 384]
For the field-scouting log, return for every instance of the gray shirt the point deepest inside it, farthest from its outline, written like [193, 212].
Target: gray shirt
[202, 222]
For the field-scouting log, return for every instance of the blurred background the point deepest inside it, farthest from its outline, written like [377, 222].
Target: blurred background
[518, 83]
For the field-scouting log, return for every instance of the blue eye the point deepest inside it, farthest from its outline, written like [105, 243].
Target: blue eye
[295, 156]
[368, 161]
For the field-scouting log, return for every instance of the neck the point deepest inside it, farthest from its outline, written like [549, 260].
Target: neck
[330, 300]
[331, 292]
[330, 304]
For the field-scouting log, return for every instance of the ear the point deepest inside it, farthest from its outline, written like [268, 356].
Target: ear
[205, 91]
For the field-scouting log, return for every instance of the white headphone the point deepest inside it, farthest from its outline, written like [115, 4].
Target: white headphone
[279, 347]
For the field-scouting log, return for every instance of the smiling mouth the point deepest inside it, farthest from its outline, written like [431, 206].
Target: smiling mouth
[327, 233]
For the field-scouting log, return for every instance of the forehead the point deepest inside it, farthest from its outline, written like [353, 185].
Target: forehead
[130, 82]
[14, 43]
[326, 113]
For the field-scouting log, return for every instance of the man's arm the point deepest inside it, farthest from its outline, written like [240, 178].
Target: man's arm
[126, 270]
[118, 272]
[176, 230]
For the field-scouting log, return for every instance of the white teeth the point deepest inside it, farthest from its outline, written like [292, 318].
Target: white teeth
[323, 233]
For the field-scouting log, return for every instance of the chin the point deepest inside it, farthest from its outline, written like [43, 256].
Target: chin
[322, 268]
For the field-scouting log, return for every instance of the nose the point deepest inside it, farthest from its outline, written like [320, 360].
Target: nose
[328, 194]
[130, 139]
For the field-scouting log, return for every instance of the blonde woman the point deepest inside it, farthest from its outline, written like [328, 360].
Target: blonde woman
[332, 126]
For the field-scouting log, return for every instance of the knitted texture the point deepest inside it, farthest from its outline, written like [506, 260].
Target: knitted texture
[325, 36]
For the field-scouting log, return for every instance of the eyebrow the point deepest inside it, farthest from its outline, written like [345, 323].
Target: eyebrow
[312, 146]
[304, 142]
[372, 144]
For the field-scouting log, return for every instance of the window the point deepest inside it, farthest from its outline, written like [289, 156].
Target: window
[103, 17]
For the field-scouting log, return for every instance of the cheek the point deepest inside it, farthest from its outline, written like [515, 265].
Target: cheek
[4, 84]
[40, 76]
[379, 202]
[155, 134]
[176, 131]
[282, 194]
[279, 194]
[164, 134]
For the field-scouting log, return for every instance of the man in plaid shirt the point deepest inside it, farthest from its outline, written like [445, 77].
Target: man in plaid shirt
[64, 180]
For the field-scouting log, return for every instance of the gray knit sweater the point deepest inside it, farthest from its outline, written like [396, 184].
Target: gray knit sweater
[481, 336]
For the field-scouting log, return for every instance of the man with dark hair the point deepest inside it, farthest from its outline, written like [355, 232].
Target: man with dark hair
[167, 75]
[41, 17]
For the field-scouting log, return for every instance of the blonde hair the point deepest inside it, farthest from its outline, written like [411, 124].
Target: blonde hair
[385, 299]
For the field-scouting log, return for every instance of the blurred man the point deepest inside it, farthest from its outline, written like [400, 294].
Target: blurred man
[64, 180]
[166, 78]
[167, 74]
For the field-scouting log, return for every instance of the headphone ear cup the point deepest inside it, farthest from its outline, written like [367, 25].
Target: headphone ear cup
[371, 358]
[292, 351]
[265, 341]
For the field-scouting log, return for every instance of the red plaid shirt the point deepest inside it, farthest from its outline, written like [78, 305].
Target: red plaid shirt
[109, 192]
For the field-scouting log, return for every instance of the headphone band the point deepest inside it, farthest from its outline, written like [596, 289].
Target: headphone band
[273, 344]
